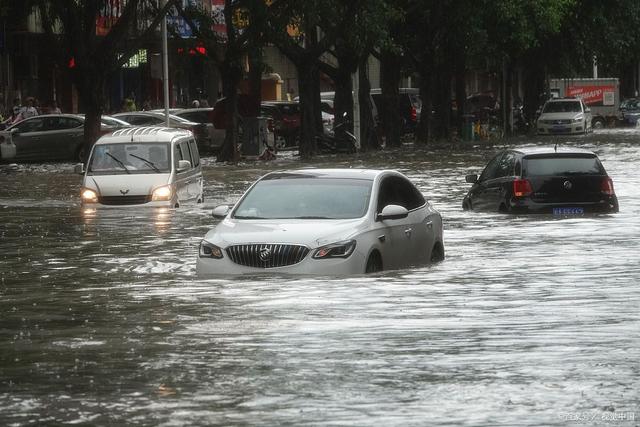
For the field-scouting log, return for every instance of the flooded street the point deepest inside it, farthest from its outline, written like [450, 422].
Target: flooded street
[528, 321]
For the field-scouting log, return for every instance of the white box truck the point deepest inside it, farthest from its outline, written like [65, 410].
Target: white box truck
[601, 95]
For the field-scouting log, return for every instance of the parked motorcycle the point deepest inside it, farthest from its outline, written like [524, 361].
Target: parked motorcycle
[339, 141]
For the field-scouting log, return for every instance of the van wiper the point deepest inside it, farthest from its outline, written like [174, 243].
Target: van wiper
[150, 163]
[118, 161]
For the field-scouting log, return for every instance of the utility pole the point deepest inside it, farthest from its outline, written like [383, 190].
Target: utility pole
[165, 66]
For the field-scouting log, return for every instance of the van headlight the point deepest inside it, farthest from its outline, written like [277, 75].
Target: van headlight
[162, 193]
[209, 250]
[88, 196]
[335, 250]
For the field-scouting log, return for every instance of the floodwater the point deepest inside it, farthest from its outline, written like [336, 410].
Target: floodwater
[528, 321]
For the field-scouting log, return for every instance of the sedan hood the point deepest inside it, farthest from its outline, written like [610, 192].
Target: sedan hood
[129, 185]
[311, 233]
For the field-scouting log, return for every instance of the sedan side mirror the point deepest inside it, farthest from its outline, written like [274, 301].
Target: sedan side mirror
[392, 212]
[221, 211]
[471, 179]
[183, 165]
[79, 169]
[587, 110]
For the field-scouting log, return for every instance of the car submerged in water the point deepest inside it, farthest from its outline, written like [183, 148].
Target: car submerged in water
[560, 181]
[323, 222]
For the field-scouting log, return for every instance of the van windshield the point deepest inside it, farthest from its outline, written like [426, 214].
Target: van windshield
[119, 159]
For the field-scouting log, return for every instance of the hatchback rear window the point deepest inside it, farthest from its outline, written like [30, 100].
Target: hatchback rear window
[562, 166]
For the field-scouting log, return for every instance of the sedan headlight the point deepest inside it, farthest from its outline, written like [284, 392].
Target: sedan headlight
[88, 196]
[162, 193]
[209, 250]
[335, 250]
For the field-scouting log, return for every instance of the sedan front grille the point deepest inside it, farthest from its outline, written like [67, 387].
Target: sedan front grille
[558, 122]
[267, 255]
[124, 200]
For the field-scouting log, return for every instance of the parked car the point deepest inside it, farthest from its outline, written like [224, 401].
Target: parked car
[630, 111]
[156, 118]
[409, 106]
[140, 166]
[324, 222]
[564, 116]
[557, 181]
[51, 137]
[285, 117]
[204, 116]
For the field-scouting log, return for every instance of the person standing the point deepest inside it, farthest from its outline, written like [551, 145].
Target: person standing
[30, 109]
[54, 108]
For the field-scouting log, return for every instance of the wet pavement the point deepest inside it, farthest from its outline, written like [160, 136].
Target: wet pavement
[528, 321]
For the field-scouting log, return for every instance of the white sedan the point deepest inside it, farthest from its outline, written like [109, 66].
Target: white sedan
[324, 222]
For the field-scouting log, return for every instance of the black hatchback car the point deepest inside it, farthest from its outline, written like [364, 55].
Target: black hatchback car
[558, 181]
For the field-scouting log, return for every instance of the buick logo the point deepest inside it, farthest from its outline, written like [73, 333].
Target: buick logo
[265, 254]
[124, 192]
[567, 185]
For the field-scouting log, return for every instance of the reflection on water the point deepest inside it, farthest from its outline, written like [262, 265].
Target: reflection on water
[529, 320]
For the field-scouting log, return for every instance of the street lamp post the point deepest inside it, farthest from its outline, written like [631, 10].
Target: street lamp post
[165, 66]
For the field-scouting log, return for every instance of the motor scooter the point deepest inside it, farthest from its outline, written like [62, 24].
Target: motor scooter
[339, 141]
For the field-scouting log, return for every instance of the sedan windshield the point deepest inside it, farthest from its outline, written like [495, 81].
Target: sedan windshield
[563, 107]
[114, 159]
[306, 198]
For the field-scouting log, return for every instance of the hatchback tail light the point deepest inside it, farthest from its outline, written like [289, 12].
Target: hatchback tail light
[521, 188]
[414, 114]
[607, 186]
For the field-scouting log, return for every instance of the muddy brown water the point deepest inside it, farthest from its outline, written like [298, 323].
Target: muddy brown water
[528, 321]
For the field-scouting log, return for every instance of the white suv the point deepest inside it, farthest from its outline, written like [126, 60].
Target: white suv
[564, 116]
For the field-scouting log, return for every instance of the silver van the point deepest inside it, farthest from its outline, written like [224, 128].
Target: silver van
[143, 166]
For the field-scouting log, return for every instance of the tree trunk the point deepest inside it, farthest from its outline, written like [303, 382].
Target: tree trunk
[461, 92]
[423, 133]
[442, 91]
[391, 120]
[230, 74]
[90, 84]
[343, 99]
[369, 137]
[308, 78]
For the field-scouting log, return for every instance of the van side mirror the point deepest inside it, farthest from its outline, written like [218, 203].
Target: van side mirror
[471, 179]
[392, 212]
[184, 165]
[78, 169]
[220, 211]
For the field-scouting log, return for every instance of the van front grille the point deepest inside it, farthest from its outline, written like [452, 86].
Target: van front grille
[267, 255]
[124, 200]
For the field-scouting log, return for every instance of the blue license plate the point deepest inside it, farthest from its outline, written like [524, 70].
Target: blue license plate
[568, 211]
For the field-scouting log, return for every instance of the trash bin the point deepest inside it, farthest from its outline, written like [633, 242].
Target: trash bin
[254, 135]
[467, 127]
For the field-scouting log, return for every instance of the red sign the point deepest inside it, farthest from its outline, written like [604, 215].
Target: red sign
[593, 95]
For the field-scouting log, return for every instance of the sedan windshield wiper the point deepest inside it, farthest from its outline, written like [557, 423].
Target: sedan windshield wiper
[310, 217]
[150, 163]
[118, 161]
[248, 217]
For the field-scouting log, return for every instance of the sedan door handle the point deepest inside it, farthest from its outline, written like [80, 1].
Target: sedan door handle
[407, 232]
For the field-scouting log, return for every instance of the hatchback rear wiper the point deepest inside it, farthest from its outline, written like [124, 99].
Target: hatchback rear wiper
[118, 161]
[150, 163]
